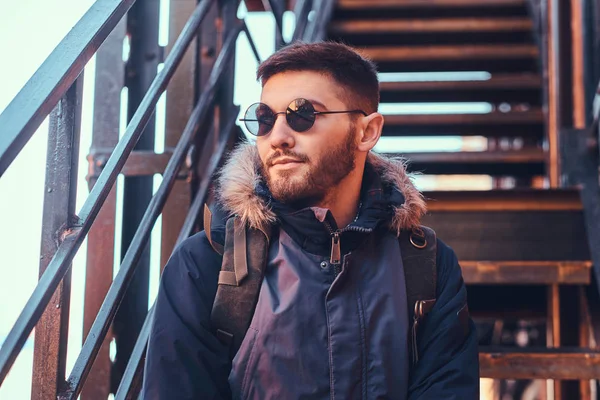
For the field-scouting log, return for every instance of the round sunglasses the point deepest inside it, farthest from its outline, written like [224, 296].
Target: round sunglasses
[300, 116]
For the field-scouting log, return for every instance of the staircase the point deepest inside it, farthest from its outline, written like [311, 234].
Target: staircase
[523, 249]
[524, 242]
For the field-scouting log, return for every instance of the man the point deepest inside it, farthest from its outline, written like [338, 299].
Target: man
[331, 320]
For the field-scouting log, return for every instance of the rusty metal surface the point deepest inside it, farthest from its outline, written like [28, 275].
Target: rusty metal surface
[139, 163]
[58, 267]
[117, 290]
[50, 347]
[278, 8]
[301, 10]
[209, 42]
[318, 28]
[54, 77]
[133, 375]
[110, 71]
[141, 69]
[179, 104]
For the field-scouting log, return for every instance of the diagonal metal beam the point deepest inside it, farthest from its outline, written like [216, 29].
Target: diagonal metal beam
[132, 377]
[54, 77]
[117, 290]
[61, 261]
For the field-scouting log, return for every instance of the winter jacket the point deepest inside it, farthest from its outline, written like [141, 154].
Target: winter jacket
[318, 332]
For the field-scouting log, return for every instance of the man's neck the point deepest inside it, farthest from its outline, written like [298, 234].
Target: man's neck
[343, 200]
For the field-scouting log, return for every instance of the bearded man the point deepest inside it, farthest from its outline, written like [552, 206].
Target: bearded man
[331, 320]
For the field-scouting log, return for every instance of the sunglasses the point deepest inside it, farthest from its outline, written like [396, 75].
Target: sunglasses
[300, 116]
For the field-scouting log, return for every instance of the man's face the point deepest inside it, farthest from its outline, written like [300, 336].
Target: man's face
[302, 167]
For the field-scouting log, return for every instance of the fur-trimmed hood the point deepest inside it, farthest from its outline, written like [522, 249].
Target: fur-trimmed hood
[238, 179]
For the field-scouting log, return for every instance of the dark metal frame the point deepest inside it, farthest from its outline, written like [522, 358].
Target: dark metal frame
[60, 78]
[580, 150]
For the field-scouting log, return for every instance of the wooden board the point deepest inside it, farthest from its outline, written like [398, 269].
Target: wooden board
[544, 364]
[439, 25]
[526, 272]
[357, 4]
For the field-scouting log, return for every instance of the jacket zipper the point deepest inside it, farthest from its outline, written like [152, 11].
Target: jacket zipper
[335, 258]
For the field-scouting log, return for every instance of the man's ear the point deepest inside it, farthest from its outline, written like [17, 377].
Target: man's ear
[370, 133]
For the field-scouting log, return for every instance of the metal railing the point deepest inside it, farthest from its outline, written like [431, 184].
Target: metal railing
[55, 90]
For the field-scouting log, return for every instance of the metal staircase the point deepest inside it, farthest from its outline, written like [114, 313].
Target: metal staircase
[529, 248]
[523, 248]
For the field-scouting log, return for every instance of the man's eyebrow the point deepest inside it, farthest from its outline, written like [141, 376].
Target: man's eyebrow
[317, 103]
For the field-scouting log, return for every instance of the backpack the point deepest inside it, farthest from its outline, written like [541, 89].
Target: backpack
[245, 256]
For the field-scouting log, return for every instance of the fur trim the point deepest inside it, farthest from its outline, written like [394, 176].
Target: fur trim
[393, 170]
[239, 177]
[235, 189]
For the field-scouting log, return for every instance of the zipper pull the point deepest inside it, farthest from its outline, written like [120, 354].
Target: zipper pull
[419, 314]
[336, 251]
[415, 349]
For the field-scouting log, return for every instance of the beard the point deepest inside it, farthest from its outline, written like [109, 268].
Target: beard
[324, 173]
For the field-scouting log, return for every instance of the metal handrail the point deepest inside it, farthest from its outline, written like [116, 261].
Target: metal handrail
[117, 289]
[75, 234]
[69, 58]
[24, 114]
[134, 368]
[301, 9]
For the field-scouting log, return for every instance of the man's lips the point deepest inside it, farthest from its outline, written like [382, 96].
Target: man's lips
[285, 161]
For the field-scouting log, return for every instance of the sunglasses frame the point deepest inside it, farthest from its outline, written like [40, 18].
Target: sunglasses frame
[289, 111]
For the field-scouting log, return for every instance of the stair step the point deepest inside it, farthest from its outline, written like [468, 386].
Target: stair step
[525, 162]
[497, 225]
[515, 123]
[560, 363]
[445, 25]
[508, 302]
[509, 88]
[526, 272]
[489, 57]
[444, 53]
[504, 200]
[358, 4]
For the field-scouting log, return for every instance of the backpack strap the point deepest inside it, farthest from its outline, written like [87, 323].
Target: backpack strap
[244, 261]
[419, 258]
[218, 247]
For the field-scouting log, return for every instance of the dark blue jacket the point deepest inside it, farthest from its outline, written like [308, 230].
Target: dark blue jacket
[315, 334]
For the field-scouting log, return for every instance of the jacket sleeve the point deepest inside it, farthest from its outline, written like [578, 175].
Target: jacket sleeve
[184, 359]
[448, 366]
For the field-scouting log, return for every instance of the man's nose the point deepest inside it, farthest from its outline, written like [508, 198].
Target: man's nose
[282, 135]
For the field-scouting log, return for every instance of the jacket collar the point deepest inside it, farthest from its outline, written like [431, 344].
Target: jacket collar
[388, 192]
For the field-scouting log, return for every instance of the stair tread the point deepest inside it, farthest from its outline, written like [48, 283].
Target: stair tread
[526, 272]
[504, 200]
[516, 163]
[531, 116]
[507, 225]
[474, 157]
[438, 25]
[516, 81]
[357, 4]
[448, 53]
[558, 363]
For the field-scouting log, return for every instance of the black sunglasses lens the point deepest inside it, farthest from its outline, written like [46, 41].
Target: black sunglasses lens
[259, 119]
[300, 115]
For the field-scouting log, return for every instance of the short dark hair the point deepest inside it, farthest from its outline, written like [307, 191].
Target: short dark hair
[356, 75]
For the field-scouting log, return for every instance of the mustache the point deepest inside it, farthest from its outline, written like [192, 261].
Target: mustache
[285, 153]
